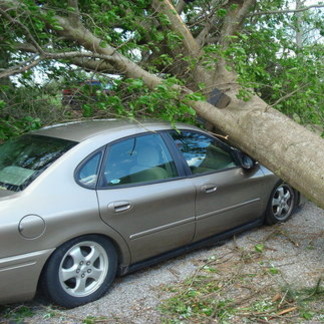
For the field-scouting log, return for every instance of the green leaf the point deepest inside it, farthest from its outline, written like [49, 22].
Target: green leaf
[272, 270]
[259, 248]
[221, 12]
[195, 96]
[57, 27]
[103, 44]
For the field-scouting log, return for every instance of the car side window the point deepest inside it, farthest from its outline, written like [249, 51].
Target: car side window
[138, 159]
[88, 173]
[202, 153]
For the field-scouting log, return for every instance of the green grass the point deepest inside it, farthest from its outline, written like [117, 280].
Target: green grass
[15, 313]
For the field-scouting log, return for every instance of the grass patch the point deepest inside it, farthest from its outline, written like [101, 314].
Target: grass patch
[95, 319]
[17, 314]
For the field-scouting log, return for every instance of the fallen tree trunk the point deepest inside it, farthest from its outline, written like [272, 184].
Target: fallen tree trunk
[291, 151]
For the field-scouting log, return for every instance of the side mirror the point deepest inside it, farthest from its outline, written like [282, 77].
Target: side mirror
[243, 160]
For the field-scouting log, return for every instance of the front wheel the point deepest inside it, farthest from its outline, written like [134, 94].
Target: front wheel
[80, 271]
[281, 204]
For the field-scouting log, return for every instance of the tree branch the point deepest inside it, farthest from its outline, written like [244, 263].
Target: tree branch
[62, 55]
[210, 23]
[165, 7]
[180, 5]
[92, 43]
[93, 65]
[234, 19]
[231, 25]
[288, 95]
[68, 55]
[21, 25]
[190, 44]
[273, 12]
[93, 62]
[20, 68]
[74, 15]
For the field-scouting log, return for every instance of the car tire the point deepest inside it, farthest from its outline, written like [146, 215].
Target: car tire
[281, 204]
[80, 271]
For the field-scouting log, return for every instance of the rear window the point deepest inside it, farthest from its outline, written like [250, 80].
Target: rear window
[24, 158]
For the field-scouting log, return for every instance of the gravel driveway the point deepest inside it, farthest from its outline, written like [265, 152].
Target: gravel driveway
[295, 248]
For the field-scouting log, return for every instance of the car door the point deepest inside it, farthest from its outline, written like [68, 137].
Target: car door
[141, 196]
[227, 196]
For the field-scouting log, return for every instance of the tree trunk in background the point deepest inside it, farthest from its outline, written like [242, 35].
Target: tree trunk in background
[299, 30]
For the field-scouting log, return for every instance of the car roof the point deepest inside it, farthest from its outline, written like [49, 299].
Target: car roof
[81, 130]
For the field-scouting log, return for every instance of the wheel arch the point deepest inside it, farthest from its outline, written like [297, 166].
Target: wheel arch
[122, 251]
[43, 279]
[296, 201]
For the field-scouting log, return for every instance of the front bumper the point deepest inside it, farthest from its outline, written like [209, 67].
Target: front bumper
[19, 276]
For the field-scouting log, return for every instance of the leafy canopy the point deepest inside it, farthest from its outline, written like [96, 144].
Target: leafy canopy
[264, 54]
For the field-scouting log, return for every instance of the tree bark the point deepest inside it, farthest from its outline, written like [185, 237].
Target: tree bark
[291, 151]
[299, 29]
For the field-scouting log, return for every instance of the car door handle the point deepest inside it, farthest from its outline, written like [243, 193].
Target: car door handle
[209, 188]
[119, 206]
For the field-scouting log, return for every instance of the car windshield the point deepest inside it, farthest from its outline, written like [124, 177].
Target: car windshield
[24, 158]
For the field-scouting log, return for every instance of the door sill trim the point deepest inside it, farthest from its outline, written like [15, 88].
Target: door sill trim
[218, 238]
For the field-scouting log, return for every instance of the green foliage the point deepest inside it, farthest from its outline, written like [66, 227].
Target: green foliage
[264, 54]
[273, 270]
[259, 247]
[137, 100]
[269, 61]
[10, 127]
[27, 108]
[196, 299]
[225, 291]
[16, 314]
[131, 98]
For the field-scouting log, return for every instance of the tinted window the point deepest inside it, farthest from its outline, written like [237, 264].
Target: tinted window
[202, 153]
[138, 159]
[24, 158]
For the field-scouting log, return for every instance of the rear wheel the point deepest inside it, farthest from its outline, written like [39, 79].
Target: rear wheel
[281, 204]
[80, 271]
